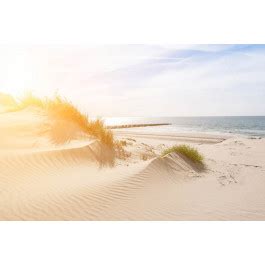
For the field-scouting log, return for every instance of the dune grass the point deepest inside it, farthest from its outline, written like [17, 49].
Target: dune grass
[61, 109]
[29, 100]
[7, 100]
[187, 151]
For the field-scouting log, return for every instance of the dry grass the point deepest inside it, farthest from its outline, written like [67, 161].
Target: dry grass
[7, 100]
[29, 100]
[120, 152]
[187, 151]
[61, 109]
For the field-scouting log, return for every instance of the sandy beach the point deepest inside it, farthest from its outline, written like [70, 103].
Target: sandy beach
[73, 181]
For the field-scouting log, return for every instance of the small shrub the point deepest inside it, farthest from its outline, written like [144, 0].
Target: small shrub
[144, 157]
[187, 151]
[123, 142]
[120, 152]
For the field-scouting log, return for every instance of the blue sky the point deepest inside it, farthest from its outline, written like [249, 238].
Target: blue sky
[143, 80]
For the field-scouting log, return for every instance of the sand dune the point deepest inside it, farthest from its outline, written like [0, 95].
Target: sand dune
[77, 180]
[71, 184]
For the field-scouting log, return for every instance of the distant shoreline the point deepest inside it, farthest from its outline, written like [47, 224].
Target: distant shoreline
[247, 126]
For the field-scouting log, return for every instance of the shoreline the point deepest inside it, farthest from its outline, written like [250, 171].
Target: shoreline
[184, 133]
[247, 126]
[186, 137]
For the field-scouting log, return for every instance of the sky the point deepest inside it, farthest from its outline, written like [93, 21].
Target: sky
[142, 80]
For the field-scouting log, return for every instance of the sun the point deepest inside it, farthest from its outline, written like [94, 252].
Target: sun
[19, 74]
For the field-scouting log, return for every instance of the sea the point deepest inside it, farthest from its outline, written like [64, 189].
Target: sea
[236, 125]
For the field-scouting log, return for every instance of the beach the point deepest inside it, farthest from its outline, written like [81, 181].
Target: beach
[74, 181]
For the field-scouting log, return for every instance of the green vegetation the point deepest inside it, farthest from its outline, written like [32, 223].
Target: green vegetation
[61, 109]
[187, 151]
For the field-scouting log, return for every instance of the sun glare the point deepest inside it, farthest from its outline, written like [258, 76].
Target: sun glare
[19, 76]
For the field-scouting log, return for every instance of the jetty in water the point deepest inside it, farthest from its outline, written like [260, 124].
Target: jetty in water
[136, 125]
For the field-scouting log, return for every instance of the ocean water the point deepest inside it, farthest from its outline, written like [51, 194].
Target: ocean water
[239, 125]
